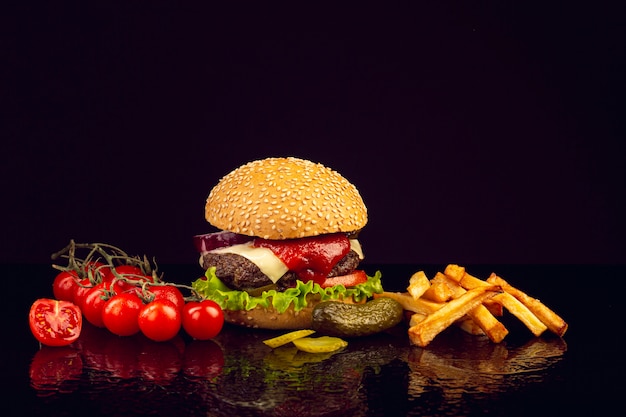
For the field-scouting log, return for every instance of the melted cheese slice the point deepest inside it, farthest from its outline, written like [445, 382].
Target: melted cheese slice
[265, 259]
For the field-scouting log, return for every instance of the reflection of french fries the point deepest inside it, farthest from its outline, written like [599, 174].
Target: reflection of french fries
[425, 331]
[479, 368]
[548, 317]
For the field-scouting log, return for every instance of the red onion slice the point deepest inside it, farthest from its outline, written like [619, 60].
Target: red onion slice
[210, 241]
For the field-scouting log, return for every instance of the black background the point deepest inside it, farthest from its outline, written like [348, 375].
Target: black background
[476, 133]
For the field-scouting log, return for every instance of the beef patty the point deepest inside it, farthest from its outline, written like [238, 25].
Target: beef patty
[239, 273]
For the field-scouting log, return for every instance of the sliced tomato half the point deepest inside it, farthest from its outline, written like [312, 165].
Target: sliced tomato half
[55, 322]
[348, 280]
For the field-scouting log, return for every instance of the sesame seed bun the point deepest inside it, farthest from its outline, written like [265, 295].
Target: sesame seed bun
[285, 198]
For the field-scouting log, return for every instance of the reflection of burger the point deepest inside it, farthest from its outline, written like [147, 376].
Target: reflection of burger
[287, 240]
[259, 381]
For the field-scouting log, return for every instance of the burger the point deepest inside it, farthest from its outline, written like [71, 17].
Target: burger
[286, 239]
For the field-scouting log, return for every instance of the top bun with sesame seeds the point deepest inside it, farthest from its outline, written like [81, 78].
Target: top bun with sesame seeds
[287, 240]
[285, 198]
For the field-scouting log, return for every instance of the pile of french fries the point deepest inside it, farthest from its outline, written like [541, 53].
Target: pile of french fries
[456, 297]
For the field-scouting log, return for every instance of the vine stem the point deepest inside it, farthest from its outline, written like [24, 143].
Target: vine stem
[110, 256]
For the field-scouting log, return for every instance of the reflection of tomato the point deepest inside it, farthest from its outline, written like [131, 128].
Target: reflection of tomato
[55, 322]
[104, 351]
[203, 359]
[158, 361]
[92, 344]
[121, 355]
[53, 367]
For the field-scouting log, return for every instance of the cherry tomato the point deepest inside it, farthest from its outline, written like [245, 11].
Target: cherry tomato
[93, 303]
[168, 292]
[120, 314]
[348, 280]
[129, 270]
[55, 322]
[160, 320]
[133, 274]
[202, 320]
[81, 289]
[64, 285]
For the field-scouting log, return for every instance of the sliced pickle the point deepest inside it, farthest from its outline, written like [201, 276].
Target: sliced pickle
[323, 344]
[287, 337]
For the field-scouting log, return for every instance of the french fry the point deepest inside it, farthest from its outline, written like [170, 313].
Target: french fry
[454, 272]
[409, 303]
[494, 329]
[418, 284]
[425, 331]
[512, 304]
[519, 310]
[468, 281]
[416, 318]
[481, 315]
[494, 308]
[472, 304]
[454, 286]
[468, 325]
[440, 289]
[548, 317]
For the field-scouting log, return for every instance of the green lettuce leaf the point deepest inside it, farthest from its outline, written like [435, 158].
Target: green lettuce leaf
[214, 289]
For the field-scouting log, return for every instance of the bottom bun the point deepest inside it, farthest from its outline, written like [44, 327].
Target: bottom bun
[268, 318]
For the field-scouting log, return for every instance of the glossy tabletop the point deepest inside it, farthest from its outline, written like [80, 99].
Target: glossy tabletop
[237, 375]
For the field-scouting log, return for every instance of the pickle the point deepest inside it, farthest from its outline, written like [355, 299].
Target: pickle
[323, 344]
[283, 339]
[339, 319]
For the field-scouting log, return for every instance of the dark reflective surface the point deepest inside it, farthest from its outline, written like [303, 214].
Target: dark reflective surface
[237, 375]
